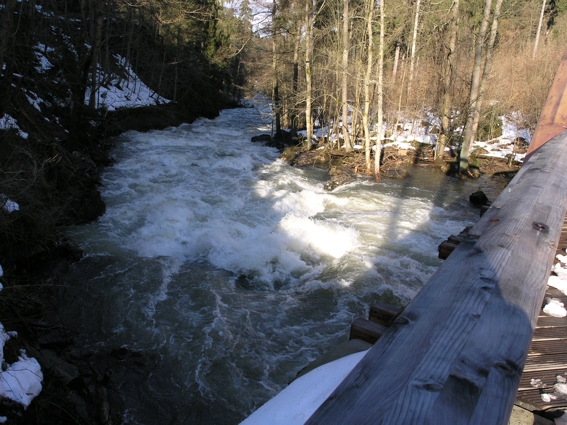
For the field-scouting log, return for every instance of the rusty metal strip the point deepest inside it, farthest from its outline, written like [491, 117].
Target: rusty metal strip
[553, 118]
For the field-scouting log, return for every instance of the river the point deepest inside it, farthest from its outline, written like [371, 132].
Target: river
[229, 270]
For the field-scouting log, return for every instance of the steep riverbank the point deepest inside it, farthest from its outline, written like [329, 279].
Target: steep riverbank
[31, 259]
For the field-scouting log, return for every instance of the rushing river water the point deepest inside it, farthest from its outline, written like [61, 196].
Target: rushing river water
[231, 270]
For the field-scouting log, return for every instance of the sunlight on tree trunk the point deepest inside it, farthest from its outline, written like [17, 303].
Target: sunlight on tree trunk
[448, 74]
[487, 68]
[379, 124]
[539, 29]
[366, 83]
[413, 46]
[275, 87]
[344, 86]
[308, 76]
[475, 84]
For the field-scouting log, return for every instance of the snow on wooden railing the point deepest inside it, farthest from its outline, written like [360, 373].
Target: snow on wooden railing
[456, 353]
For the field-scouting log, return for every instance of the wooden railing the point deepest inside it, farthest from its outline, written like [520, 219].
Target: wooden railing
[456, 353]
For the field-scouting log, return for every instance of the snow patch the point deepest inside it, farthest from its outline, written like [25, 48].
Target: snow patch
[126, 91]
[7, 122]
[554, 307]
[21, 381]
[425, 129]
[8, 205]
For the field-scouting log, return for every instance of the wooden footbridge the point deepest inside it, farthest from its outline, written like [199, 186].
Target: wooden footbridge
[459, 353]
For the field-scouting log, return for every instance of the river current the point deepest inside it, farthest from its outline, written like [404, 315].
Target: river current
[231, 270]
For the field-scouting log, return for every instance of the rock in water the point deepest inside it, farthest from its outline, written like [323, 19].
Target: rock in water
[478, 198]
[261, 138]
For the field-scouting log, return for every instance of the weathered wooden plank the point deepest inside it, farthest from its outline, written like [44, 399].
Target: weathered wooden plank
[366, 330]
[383, 313]
[545, 334]
[456, 353]
[551, 361]
[550, 322]
[445, 249]
[557, 346]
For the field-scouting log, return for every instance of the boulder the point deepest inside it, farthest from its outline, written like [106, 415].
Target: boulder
[64, 371]
[478, 198]
[261, 138]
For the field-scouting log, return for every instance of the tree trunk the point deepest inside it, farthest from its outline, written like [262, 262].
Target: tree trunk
[413, 46]
[96, 33]
[396, 59]
[378, 152]
[344, 85]
[366, 108]
[448, 73]
[475, 85]
[294, 116]
[5, 42]
[487, 68]
[539, 28]
[275, 88]
[308, 56]
[6, 35]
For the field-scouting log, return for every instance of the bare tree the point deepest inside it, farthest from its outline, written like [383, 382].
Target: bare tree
[413, 45]
[448, 73]
[396, 60]
[309, 18]
[275, 82]
[474, 116]
[344, 81]
[366, 83]
[475, 85]
[380, 95]
[6, 31]
[539, 28]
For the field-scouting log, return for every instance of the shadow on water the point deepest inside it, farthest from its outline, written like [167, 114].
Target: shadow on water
[184, 341]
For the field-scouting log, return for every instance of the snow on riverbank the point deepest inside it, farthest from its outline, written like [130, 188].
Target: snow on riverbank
[113, 91]
[123, 91]
[19, 381]
[425, 131]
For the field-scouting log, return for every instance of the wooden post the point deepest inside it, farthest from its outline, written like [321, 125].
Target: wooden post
[553, 119]
[456, 353]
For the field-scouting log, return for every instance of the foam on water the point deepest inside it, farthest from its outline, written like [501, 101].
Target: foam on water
[236, 269]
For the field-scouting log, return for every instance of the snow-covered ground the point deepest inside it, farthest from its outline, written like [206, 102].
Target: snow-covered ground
[414, 130]
[123, 91]
[19, 381]
[113, 91]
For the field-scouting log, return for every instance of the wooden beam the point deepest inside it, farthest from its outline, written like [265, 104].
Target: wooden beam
[367, 331]
[383, 313]
[456, 353]
[553, 118]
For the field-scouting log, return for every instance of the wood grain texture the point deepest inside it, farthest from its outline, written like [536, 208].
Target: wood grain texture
[456, 353]
[367, 331]
[383, 313]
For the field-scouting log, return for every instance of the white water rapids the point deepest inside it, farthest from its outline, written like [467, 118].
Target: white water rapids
[229, 270]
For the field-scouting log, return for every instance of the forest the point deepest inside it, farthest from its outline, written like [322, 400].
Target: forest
[468, 63]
